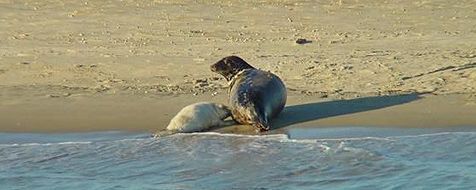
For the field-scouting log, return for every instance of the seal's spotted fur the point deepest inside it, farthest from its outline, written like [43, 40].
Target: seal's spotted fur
[255, 95]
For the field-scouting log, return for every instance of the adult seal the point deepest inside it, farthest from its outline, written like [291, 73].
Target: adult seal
[255, 96]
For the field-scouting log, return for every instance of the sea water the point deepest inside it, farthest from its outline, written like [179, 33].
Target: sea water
[344, 158]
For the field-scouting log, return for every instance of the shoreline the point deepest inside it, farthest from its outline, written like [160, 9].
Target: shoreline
[88, 113]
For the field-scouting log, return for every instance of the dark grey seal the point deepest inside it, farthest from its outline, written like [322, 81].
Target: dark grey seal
[255, 96]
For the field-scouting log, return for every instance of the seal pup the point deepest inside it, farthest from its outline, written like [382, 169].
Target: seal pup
[255, 96]
[197, 117]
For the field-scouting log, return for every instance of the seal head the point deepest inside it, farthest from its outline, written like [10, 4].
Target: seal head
[229, 66]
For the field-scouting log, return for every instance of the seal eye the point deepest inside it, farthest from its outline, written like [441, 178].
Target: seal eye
[222, 67]
[228, 64]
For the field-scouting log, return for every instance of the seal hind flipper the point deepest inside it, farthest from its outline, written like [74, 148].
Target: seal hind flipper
[252, 115]
[260, 127]
[164, 133]
[261, 120]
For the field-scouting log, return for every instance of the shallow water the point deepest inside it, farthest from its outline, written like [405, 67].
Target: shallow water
[116, 160]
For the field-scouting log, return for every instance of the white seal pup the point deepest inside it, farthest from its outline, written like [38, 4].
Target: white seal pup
[197, 117]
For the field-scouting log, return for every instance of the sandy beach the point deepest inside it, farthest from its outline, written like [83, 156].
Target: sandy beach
[131, 65]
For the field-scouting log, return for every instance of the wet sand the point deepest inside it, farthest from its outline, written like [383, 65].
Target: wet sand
[131, 65]
[151, 113]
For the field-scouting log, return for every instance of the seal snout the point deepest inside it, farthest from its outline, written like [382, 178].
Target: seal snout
[218, 66]
[213, 68]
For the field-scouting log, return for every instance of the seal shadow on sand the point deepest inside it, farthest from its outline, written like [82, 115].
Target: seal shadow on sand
[313, 111]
